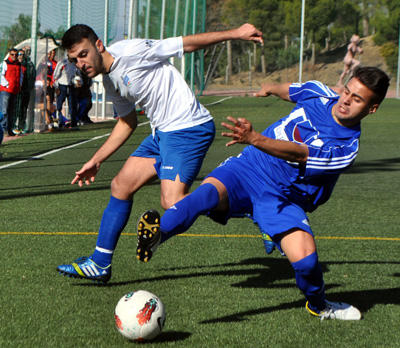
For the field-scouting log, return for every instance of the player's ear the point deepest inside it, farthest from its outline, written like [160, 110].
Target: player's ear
[373, 108]
[100, 46]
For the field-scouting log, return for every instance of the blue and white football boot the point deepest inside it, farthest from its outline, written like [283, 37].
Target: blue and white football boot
[85, 268]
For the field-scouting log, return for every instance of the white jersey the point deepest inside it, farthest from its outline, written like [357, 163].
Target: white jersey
[141, 74]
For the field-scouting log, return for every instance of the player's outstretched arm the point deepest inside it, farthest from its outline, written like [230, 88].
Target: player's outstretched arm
[121, 132]
[247, 32]
[243, 133]
[281, 90]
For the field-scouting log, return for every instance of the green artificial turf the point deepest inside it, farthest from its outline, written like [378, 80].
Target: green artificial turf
[219, 287]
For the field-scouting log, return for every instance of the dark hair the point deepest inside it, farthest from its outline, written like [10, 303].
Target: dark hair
[374, 79]
[76, 34]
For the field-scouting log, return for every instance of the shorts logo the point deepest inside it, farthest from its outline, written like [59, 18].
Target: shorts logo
[305, 222]
[167, 167]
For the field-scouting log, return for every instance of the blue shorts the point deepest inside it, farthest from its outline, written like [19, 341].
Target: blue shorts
[248, 193]
[178, 152]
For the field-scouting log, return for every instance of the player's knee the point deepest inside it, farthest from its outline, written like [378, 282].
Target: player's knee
[167, 201]
[307, 265]
[120, 190]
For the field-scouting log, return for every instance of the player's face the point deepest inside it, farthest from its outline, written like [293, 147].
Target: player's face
[354, 104]
[87, 57]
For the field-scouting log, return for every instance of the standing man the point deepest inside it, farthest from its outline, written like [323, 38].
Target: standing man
[138, 72]
[63, 76]
[11, 81]
[288, 170]
[25, 92]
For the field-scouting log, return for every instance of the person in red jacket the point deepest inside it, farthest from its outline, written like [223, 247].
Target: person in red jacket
[11, 81]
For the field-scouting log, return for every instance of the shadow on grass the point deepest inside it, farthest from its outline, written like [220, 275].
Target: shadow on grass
[381, 165]
[374, 297]
[171, 336]
[270, 276]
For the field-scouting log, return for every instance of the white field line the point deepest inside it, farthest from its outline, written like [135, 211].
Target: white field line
[84, 142]
[61, 149]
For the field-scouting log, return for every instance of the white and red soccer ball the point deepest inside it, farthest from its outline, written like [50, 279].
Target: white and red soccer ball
[140, 316]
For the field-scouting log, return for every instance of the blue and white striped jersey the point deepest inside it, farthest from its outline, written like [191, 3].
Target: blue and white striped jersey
[332, 147]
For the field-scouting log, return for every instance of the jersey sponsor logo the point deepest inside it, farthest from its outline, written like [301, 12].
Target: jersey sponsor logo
[298, 128]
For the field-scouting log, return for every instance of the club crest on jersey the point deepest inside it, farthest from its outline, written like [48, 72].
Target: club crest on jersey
[126, 81]
[150, 43]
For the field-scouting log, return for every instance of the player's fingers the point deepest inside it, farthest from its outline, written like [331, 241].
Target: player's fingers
[232, 119]
[229, 135]
[229, 126]
[74, 180]
[233, 142]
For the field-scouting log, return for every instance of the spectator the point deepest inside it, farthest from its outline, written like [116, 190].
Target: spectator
[83, 97]
[11, 80]
[29, 83]
[50, 107]
[350, 64]
[25, 92]
[63, 82]
[51, 64]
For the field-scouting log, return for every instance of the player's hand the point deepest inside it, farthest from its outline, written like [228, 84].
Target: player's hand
[264, 91]
[242, 131]
[86, 174]
[250, 33]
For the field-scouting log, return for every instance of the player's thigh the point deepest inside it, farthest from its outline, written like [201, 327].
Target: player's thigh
[136, 172]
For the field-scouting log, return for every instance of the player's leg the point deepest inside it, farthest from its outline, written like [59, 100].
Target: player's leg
[136, 172]
[210, 195]
[299, 246]
[61, 96]
[181, 155]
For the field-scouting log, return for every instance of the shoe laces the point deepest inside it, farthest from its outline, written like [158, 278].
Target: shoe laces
[329, 311]
[82, 259]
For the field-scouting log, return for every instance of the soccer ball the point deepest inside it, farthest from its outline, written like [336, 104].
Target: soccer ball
[140, 316]
[77, 81]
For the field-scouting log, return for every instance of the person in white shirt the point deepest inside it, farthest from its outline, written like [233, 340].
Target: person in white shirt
[138, 72]
[63, 76]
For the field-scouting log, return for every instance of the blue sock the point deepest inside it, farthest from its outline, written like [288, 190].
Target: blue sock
[309, 279]
[114, 220]
[183, 214]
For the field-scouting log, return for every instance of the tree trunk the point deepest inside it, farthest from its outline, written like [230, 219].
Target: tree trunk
[263, 67]
[365, 26]
[313, 54]
[229, 51]
[255, 57]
